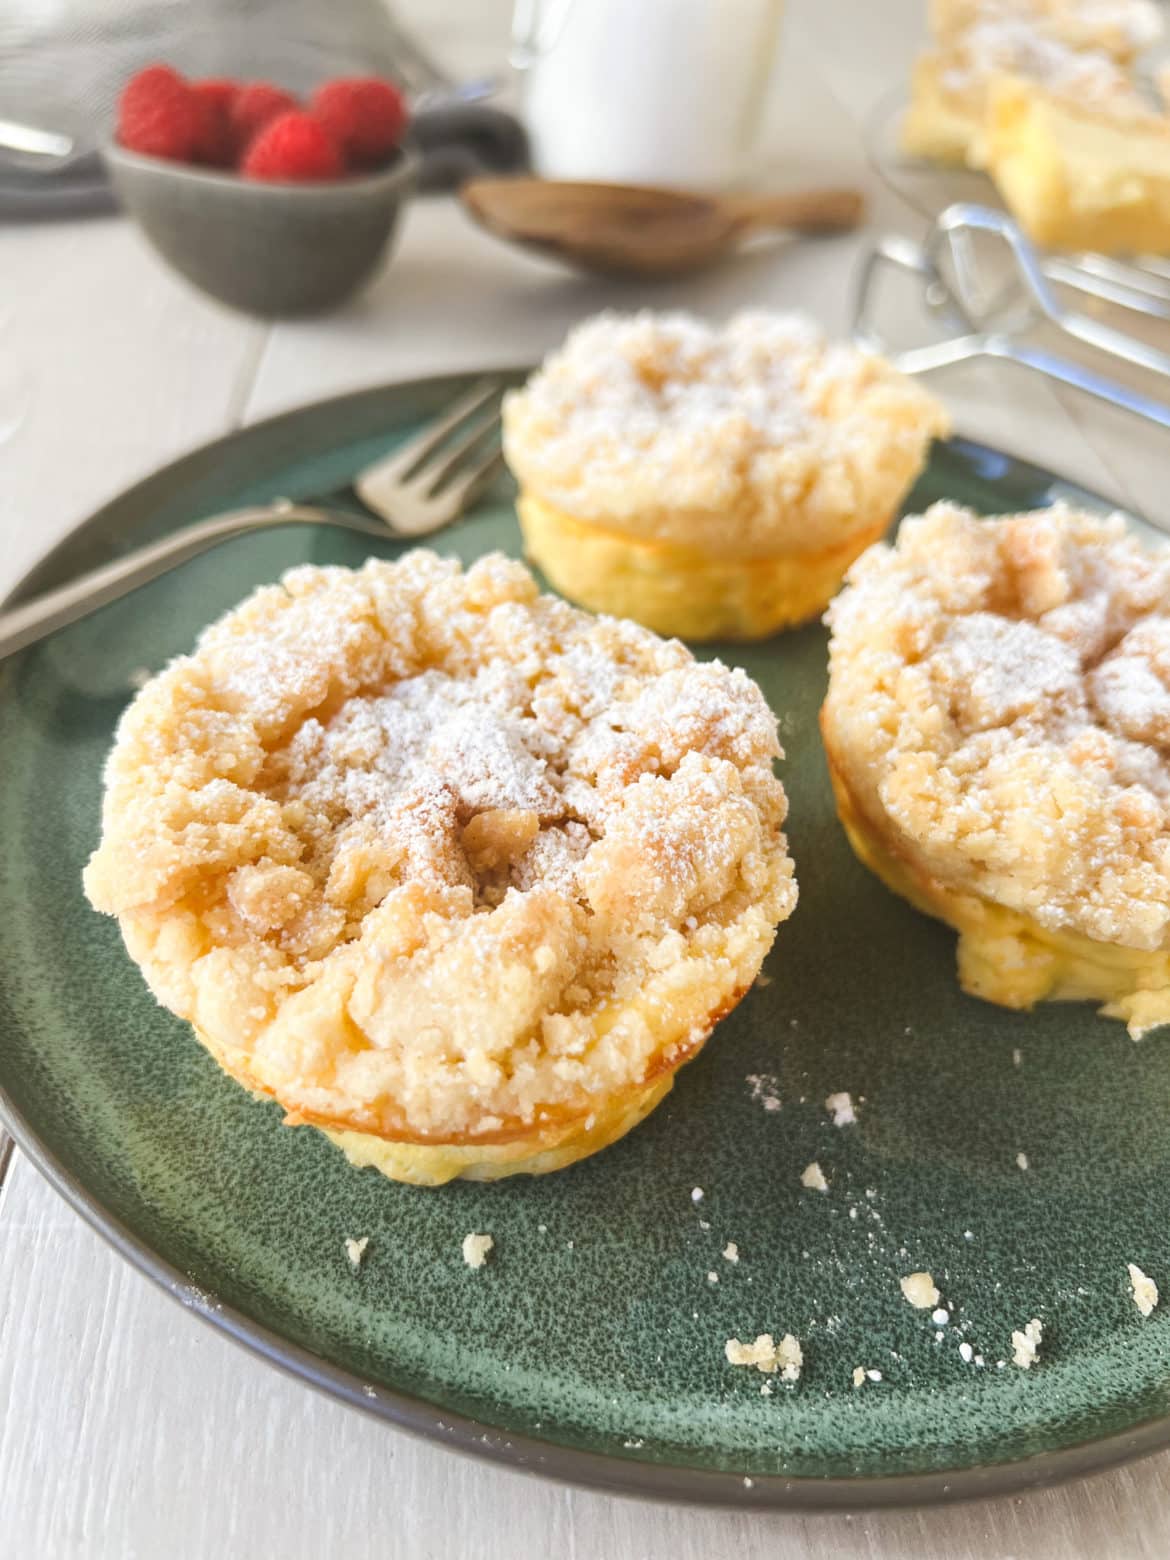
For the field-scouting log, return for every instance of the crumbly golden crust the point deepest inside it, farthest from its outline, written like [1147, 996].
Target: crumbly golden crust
[999, 702]
[746, 440]
[424, 854]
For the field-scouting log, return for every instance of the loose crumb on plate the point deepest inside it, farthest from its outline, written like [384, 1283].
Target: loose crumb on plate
[1145, 1291]
[764, 1088]
[697, 1194]
[813, 1177]
[840, 1107]
[731, 1252]
[712, 1277]
[476, 1248]
[355, 1250]
[1022, 1161]
[768, 1356]
[863, 1373]
[919, 1289]
[1026, 1344]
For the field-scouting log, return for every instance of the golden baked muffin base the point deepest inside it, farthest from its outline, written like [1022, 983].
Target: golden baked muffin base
[1005, 956]
[515, 1148]
[533, 1152]
[682, 592]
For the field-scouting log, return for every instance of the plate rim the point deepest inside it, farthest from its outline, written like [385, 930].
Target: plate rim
[600, 1471]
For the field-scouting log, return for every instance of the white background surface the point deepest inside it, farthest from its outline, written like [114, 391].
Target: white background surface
[127, 1429]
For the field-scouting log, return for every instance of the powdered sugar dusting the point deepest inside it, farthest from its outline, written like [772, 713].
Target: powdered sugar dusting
[667, 424]
[1000, 691]
[1018, 46]
[419, 826]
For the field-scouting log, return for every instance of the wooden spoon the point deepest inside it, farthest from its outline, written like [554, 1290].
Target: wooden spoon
[630, 230]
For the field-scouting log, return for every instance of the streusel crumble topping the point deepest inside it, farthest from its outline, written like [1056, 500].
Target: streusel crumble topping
[1001, 692]
[393, 840]
[667, 426]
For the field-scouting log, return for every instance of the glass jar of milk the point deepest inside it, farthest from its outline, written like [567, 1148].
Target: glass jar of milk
[646, 91]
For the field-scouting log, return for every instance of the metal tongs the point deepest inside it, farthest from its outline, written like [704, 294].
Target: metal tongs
[978, 322]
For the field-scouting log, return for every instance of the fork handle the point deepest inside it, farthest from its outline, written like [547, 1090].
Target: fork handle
[32, 620]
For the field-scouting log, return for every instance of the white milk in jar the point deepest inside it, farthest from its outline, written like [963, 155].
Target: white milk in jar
[646, 91]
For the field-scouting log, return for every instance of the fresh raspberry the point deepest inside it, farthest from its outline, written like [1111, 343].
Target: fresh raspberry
[218, 143]
[254, 106]
[218, 90]
[364, 115]
[293, 147]
[160, 116]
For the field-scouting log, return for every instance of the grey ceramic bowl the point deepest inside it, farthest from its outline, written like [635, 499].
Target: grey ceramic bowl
[268, 249]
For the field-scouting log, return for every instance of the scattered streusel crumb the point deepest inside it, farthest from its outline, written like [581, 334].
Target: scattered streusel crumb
[966, 1352]
[712, 1277]
[768, 1356]
[355, 1250]
[1022, 1161]
[813, 1177]
[919, 1289]
[859, 1375]
[765, 1089]
[697, 1194]
[1017, 1057]
[731, 1252]
[941, 1316]
[476, 1248]
[840, 1107]
[1145, 1291]
[1026, 1344]
[763, 980]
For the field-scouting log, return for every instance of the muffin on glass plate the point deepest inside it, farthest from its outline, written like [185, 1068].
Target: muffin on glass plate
[456, 873]
[955, 87]
[998, 732]
[710, 482]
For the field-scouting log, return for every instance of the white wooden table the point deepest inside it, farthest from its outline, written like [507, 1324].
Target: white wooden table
[126, 1428]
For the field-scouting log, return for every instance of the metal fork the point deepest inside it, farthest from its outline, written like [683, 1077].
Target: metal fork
[421, 487]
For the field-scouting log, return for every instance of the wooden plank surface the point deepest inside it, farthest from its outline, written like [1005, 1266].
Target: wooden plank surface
[126, 1428]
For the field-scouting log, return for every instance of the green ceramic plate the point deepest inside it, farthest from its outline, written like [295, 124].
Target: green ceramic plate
[591, 1347]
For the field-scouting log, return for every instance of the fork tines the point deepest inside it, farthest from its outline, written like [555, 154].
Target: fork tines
[434, 476]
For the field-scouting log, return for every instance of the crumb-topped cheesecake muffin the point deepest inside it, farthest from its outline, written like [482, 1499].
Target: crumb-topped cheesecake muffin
[453, 871]
[710, 481]
[954, 86]
[1080, 171]
[998, 732]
